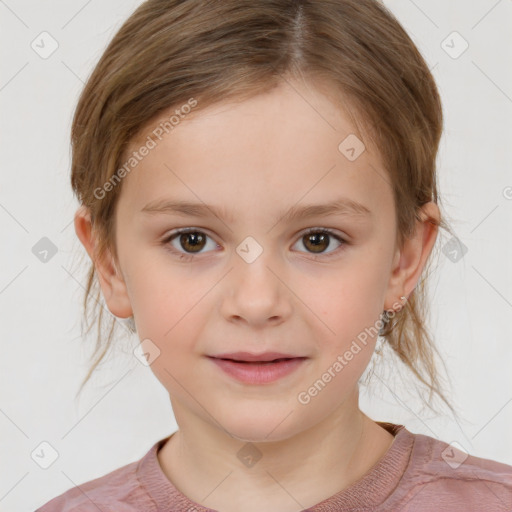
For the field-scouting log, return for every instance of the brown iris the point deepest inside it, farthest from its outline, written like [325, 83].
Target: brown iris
[196, 239]
[319, 241]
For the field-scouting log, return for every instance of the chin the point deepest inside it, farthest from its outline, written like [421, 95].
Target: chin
[263, 428]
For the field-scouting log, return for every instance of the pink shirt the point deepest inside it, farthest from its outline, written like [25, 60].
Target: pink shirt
[418, 473]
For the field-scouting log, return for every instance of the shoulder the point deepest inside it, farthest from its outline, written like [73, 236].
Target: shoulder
[442, 476]
[117, 491]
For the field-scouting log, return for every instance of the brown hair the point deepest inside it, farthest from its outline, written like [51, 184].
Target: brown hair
[169, 51]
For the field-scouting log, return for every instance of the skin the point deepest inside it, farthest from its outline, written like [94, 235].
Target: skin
[258, 158]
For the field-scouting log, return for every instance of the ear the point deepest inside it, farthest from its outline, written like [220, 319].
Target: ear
[111, 281]
[409, 262]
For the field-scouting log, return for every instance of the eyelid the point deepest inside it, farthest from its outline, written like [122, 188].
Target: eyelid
[332, 233]
[191, 256]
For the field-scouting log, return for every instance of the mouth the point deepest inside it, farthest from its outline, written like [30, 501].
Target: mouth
[259, 362]
[258, 372]
[248, 357]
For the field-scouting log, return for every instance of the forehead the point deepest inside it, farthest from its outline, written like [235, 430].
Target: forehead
[291, 142]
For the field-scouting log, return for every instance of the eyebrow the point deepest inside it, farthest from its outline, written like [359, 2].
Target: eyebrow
[341, 206]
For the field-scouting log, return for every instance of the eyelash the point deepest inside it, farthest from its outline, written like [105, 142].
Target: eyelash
[189, 257]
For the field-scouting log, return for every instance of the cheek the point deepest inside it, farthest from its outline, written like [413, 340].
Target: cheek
[170, 319]
[160, 298]
[349, 304]
[351, 295]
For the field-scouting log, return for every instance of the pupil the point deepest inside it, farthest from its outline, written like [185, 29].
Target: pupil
[196, 238]
[320, 237]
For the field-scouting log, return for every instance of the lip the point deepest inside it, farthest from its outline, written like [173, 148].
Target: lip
[248, 357]
[258, 372]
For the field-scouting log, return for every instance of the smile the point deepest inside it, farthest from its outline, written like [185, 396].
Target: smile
[258, 372]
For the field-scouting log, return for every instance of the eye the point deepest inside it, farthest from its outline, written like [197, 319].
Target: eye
[190, 239]
[317, 240]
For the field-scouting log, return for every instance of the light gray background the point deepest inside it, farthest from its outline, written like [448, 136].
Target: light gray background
[125, 409]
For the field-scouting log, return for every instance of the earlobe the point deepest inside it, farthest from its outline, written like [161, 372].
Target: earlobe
[110, 278]
[411, 259]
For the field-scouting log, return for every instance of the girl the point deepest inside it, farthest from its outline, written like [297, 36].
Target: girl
[258, 198]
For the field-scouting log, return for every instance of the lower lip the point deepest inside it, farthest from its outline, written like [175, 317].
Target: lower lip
[258, 373]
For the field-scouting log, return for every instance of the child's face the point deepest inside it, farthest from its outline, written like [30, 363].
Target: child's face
[254, 161]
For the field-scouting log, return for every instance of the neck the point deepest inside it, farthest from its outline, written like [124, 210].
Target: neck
[221, 472]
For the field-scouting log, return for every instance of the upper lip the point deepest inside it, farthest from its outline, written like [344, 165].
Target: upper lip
[247, 356]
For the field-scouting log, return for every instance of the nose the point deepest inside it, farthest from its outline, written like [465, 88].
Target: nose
[256, 293]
